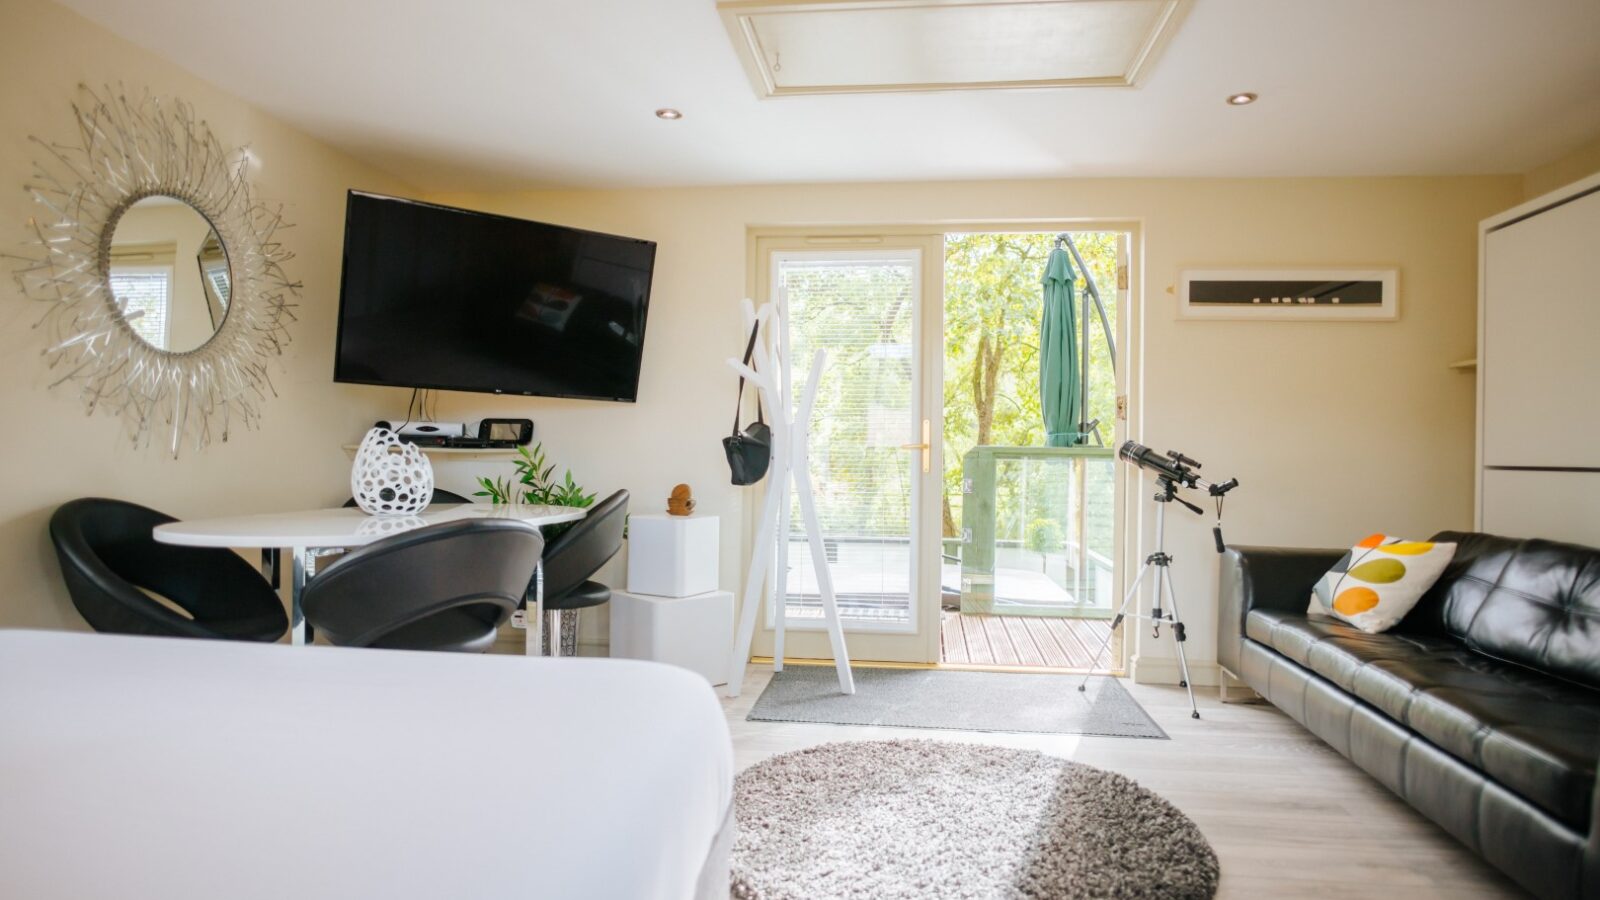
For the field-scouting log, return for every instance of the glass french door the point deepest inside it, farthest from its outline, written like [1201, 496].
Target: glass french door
[872, 446]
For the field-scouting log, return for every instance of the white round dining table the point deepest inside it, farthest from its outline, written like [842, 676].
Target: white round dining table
[303, 533]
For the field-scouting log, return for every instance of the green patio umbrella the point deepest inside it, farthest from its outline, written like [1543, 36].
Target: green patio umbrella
[1058, 353]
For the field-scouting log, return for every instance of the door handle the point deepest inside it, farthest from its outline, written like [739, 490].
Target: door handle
[926, 447]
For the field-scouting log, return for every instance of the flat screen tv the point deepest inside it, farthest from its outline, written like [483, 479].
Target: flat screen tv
[443, 298]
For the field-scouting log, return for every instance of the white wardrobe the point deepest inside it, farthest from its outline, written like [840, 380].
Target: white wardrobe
[1539, 368]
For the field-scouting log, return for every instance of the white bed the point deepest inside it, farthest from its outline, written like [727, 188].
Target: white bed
[177, 769]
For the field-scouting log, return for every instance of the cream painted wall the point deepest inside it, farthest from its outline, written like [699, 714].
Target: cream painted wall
[1335, 429]
[1582, 162]
[52, 452]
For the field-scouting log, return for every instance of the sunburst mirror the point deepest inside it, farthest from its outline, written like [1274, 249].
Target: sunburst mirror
[160, 274]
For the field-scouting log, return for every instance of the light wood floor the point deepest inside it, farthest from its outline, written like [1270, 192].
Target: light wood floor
[1288, 816]
[1055, 641]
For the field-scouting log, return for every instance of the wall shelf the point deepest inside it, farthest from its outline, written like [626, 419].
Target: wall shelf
[461, 453]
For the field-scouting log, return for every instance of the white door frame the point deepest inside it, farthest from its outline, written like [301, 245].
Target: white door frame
[923, 647]
[918, 641]
[1129, 336]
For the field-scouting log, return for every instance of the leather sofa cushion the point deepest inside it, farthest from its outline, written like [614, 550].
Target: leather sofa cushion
[1532, 602]
[1541, 745]
[1338, 652]
[1536, 735]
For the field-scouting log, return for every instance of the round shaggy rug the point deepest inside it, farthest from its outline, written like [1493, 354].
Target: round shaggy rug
[930, 819]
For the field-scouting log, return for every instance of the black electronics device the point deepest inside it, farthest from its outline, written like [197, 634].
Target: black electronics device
[506, 432]
[418, 437]
[419, 434]
[435, 297]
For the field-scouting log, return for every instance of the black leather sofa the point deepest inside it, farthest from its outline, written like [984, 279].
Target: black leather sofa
[1481, 708]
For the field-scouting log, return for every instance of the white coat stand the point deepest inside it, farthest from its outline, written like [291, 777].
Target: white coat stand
[790, 461]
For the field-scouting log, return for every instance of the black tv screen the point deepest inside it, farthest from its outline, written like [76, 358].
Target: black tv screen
[436, 297]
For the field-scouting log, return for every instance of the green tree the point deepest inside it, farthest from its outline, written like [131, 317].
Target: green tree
[863, 316]
[1045, 536]
[992, 308]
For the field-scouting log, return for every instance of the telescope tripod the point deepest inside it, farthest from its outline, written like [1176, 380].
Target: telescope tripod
[1160, 563]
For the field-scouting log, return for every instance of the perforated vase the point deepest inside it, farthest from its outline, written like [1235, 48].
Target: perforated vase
[390, 477]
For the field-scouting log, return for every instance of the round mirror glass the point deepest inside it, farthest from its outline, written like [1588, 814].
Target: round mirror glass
[169, 272]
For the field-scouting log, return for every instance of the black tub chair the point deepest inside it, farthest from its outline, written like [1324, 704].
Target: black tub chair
[107, 555]
[444, 587]
[574, 556]
[325, 558]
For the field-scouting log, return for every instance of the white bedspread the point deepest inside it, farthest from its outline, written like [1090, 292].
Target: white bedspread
[176, 769]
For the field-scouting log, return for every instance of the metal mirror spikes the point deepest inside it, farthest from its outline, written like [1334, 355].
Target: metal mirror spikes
[128, 149]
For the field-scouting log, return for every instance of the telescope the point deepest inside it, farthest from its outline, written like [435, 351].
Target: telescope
[1172, 470]
[1174, 467]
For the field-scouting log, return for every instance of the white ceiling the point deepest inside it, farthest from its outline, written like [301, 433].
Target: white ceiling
[503, 94]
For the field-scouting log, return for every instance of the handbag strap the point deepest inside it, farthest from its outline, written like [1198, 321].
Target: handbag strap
[749, 353]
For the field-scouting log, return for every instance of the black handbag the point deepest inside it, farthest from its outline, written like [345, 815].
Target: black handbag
[749, 452]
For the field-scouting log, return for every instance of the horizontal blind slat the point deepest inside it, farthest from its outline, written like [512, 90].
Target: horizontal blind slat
[862, 312]
[144, 293]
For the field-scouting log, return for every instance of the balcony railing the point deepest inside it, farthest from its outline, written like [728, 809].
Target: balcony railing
[1037, 531]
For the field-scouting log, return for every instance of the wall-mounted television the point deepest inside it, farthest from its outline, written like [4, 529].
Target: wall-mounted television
[443, 298]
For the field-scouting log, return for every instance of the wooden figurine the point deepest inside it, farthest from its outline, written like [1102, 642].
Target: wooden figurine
[681, 503]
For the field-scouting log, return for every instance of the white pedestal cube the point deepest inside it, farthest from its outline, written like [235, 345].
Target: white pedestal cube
[673, 556]
[695, 632]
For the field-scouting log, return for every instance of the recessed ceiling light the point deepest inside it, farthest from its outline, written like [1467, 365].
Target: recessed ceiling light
[668, 113]
[1244, 99]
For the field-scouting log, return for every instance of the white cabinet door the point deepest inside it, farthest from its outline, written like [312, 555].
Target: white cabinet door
[1541, 347]
[1560, 506]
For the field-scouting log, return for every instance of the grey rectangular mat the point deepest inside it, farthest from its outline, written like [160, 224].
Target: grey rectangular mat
[956, 700]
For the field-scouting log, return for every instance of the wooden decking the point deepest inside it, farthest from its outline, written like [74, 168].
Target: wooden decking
[1024, 641]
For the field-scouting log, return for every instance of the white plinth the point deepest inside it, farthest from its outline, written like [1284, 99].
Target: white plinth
[695, 632]
[673, 556]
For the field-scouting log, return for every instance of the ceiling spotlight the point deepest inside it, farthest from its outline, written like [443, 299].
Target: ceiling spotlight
[1244, 99]
[669, 113]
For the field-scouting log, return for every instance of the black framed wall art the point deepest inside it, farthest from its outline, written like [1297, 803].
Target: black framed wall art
[1310, 294]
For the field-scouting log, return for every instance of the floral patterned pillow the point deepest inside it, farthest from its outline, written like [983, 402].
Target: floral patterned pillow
[1379, 581]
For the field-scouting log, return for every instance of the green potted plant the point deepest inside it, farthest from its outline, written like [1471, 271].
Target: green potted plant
[532, 483]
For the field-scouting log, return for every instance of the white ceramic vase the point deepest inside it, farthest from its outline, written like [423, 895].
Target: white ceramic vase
[390, 477]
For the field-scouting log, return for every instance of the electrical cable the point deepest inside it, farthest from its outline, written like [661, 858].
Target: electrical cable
[409, 406]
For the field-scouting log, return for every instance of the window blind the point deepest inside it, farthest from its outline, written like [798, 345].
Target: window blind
[219, 283]
[144, 294]
[862, 312]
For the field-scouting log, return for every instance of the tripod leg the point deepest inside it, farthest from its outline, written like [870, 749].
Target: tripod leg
[1179, 637]
[1133, 592]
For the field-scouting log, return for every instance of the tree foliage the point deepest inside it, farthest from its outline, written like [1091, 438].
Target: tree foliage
[864, 316]
[992, 309]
